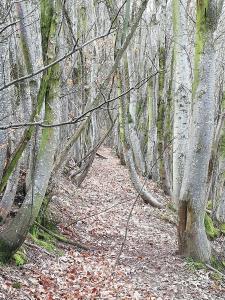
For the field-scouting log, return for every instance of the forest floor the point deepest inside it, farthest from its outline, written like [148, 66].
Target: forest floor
[148, 267]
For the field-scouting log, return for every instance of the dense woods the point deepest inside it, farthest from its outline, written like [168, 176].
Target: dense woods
[145, 78]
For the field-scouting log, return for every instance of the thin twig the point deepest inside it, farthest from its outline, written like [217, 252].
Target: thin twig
[75, 49]
[83, 115]
[215, 270]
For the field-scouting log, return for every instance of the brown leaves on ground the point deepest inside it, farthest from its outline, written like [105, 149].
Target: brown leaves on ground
[148, 267]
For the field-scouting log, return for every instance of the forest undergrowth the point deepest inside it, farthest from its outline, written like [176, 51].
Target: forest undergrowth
[144, 265]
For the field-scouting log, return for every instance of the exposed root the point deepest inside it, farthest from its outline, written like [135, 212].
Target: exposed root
[62, 238]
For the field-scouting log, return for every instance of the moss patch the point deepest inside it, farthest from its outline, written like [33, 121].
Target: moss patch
[16, 285]
[211, 230]
[209, 205]
[20, 258]
[222, 228]
[218, 264]
[40, 237]
[194, 264]
[216, 276]
[44, 242]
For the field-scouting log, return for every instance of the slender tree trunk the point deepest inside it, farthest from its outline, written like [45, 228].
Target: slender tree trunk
[182, 93]
[4, 110]
[135, 141]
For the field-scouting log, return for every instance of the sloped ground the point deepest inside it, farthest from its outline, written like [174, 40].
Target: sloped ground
[148, 267]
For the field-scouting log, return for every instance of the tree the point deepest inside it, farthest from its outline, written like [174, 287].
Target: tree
[192, 200]
[15, 233]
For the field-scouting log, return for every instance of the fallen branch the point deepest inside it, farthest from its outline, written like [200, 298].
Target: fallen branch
[215, 270]
[100, 156]
[62, 239]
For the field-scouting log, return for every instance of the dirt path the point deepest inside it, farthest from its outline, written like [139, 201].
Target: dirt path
[148, 267]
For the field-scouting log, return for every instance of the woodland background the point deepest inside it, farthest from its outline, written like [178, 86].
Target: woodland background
[145, 78]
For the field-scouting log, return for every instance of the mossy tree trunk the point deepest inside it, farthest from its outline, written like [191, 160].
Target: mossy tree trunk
[14, 234]
[163, 105]
[192, 201]
[22, 58]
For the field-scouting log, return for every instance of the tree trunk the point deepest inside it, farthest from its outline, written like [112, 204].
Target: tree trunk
[182, 93]
[192, 202]
[15, 233]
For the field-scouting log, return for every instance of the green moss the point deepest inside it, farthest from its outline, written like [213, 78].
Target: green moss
[223, 102]
[39, 236]
[46, 21]
[42, 238]
[16, 285]
[209, 205]
[216, 276]
[200, 38]
[176, 16]
[222, 144]
[211, 230]
[217, 264]
[194, 264]
[20, 258]
[47, 242]
[26, 53]
[28, 132]
[162, 64]
[45, 219]
[82, 22]
[222, 228]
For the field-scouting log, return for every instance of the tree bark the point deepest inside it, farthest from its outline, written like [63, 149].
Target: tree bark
[193, 191]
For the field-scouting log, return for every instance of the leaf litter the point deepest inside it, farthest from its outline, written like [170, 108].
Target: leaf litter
[148, 267]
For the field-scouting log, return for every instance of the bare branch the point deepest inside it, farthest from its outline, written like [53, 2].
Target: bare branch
[75, 49]
[83, 115]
